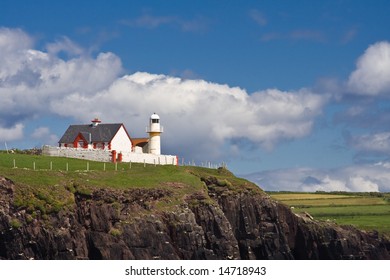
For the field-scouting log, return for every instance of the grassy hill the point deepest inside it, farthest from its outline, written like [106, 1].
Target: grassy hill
[369, 211]
[47, 183]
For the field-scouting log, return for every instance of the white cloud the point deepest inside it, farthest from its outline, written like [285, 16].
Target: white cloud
[200, 117]
[354, 178]
[40, 132]
[379, 142]
[31, 79]
[13, 133]
[13, 44]
[372, 74]
[66, 45]
[45, 136]
[360, 184]
[13, 40]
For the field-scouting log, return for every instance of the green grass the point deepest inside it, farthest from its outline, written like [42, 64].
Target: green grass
[89, 173]
[367, 222]
[356, 210]
[368, 211]
[51, 185]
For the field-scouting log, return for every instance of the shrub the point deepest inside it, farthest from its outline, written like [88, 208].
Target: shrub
[15, 223]
[115, 232]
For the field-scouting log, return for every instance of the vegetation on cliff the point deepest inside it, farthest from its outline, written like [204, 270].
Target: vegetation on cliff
[48, 184]
[58, 208]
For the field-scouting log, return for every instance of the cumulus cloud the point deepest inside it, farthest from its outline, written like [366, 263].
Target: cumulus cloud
[44, 135]
[31, 79]
[12, 133]
[13, 40]
[200, 117]
[372, 74]
[354, 178]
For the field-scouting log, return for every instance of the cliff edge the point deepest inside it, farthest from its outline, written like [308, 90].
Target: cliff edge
[224, 219]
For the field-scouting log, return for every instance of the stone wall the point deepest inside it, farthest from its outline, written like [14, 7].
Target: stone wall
[106, 155]
[95, 155]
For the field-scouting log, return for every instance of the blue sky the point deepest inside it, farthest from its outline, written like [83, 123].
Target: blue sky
[293, 95]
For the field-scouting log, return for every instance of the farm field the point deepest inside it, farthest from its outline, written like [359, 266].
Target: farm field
[368, 211]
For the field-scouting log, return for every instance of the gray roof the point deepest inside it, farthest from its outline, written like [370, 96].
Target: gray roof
[99, 133]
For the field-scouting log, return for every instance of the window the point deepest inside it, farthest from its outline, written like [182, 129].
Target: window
[80, 144]
[100, 146]
[155, 120]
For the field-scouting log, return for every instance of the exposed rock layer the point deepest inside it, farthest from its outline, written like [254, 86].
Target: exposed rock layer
[113, 224]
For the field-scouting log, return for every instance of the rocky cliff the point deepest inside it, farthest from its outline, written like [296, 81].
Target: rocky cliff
[223, 222]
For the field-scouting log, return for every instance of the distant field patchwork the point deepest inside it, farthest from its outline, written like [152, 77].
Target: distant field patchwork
[369, 211]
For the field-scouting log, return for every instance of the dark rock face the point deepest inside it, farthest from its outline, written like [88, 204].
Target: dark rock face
[113, 224]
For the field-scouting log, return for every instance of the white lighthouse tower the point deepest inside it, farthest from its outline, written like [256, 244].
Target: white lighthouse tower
[154, 131]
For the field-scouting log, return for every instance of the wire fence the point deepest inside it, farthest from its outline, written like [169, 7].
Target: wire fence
[76, 166]
[66, 164]
[206, 164]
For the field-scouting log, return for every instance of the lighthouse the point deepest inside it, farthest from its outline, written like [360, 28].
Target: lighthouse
[154, 131]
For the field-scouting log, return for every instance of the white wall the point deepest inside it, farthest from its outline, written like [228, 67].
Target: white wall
[154, 143]
[121, 141]
[105, 155]
[149, 158]
[95, 155]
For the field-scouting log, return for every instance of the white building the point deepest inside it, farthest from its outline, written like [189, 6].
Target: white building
[112, 142]
[97, 135]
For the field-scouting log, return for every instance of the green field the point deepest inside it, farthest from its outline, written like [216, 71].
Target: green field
[368, 211]
[48, 184]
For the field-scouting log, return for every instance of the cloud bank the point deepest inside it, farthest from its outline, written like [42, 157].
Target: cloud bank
[200, 117]
[354, 178]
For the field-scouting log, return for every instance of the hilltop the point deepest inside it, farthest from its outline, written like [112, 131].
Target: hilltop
[58, 208]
